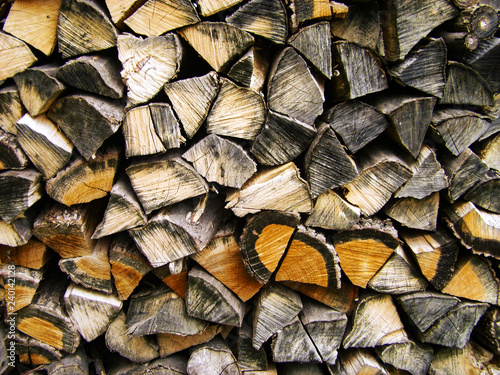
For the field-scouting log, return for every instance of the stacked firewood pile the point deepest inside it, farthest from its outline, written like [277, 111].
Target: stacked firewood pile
[250, 187]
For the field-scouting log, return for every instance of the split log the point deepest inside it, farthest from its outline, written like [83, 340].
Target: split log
[83, 28]
[213, 357]
[266, 18]
[246, 122]
[357, 361]
[486, 331]
[310, 259]
[164, 180]
[218, 43]
[35, 352]
[12, 156]
[15, 56]
[292, 90]
[364, 249]
[174, 276]
[39, 136]
[156, 17]
[20, 294]
[415, 213]
[435, 253]
[264, 240]
[39, 88]
[77, 363]
[91, 312]
[279, 188]
[250, 360]
[251, 69]
[34, 254]
[119, 10]
[311, 10]
[148, 64]
[98, 74]
[128, 265]
[10, 108]
[19, 190]
[98, 119]
[192, 98]
[35, 24]
[410, 356]
[483, 192]
[210, 7]
[18, 232]
[83, 181]
[487, 150]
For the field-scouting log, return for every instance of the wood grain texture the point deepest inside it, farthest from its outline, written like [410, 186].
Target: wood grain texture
[10, 108]
[12, 155]
[15, 56]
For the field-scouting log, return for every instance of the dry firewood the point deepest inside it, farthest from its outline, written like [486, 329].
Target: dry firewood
[487, 150]
[174, 276]
[486, 331]
[156, 17]
[122, 9]
[98, 74]
[282, 139]
[483, 192]
[327, 165]
[83, 181]
[410, 356]
[356, 122]
[332, 212]
[19, 190]
[98, 118]
[365, 248]
[249, 358]
[35, 352]
[453, 329]
[409, 117]
[369, 329]
[461, 80]
[164, 180]
[12, 155]
[220, 160]
[293, 344]
[218, 43]
[382, 173]
[27, 281]
[41, 137]
[477, 229]
[398, 276]
[310, 259]
[415, 213]
[424, 68]
[15, 56]
[435, 253]
[311, 10]
[244, 123]
[463, 172]
[180, 230]
[210, 7]
[325, 326]
[45, 318]
[475, 280]
[83, 28]
[405, 23]
[223, 259]
[275, 308]
[266, 18]
[192, 98]
[160, 310]
[128, 265]
[90, 311]
[264, 240]
[213, 357]
[251, 69]
[34, 254]
[123, 210]
[11, 108]
[68, 230]
[292, 89]
[175, 364]
[148, 64]
[77, 363]
[278, 188]
[92, 271]
[357, 72]
[357, 361]
[39, 88]
[210, 300]
[17, 232]
[134, 348]
[361, 25]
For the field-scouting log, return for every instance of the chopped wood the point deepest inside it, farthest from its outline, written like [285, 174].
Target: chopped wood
[192, 98]
[310, 259]
[483, 192]
[34, 254]
[15, 56]
[264, 240]
[218, 43]
[98, 119]
[278, 188]
[76, 363]
[213, 357]
[98, 74]
[10, 108]
[156, 17]
[175, 364]
[26, 284]
[17, 232]
[121, 9]
[39, 136]
[357, 361]
[35, 352]
[90, 311]
[175, 279]
[148, 64]
[266, 18]
[487, 150]
[83, 181]
[486, 331]
[312, 10]
[415, 213]
[210, 7]
[83, 28]
[12, 156]
[164, 180]
[409, 356]
[292, 90]
[369, 331]
[250, 359]
[484, 21]
[251, 69]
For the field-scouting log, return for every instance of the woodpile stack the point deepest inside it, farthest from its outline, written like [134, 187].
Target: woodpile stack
[250, 187]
